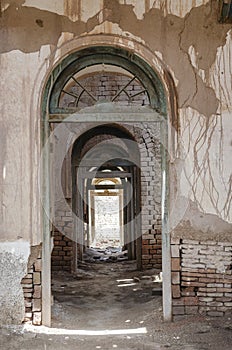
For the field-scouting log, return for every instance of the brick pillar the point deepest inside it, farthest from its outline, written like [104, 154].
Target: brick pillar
[31, 285]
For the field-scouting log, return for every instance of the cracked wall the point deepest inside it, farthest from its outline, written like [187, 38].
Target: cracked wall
[162, 31]
[187, 40]
[191, 44]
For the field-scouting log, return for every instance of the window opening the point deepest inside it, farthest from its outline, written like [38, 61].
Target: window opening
[102, 83]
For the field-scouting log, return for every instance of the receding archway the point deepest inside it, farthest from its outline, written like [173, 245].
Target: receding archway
[106, 158]
[136, 66]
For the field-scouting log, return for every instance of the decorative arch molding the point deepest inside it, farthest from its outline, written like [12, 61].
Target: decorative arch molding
[135, 51]
[114, 56]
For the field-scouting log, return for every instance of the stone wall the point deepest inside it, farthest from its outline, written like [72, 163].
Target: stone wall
[201, 277]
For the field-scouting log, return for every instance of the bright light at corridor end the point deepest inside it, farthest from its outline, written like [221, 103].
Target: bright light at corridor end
[62, 331]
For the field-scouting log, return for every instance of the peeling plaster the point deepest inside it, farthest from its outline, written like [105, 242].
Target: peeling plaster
[139, 7]
[198, 225]
[194, 47]
[178, 8]
[193, 55]
[171, 36]
[56, 6]
[113, 28]
[220, 76]
[82, 9]
[206, 173]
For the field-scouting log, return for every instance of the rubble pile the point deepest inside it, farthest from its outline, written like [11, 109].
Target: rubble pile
[108, 254]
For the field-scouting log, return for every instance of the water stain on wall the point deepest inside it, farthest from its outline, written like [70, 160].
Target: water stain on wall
[27, 29]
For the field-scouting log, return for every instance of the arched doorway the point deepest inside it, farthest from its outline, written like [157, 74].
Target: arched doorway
[106, 190]
[143, 104]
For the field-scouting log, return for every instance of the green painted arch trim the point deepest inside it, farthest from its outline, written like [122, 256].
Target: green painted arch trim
[90, 56]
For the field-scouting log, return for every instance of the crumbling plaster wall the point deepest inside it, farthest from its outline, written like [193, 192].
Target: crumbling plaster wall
[185, 35]
[13, 267]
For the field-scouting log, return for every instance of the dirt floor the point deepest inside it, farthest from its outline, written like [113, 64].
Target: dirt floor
[111, 306]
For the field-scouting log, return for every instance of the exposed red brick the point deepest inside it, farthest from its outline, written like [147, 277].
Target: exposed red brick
[175, 262]
[175, 291]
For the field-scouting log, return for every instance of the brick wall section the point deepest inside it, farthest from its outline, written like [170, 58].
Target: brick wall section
[149, 144]
[31, 285]
[62, 252]
[201, 277]
[64, 222]
[152, 248]
[104, 86]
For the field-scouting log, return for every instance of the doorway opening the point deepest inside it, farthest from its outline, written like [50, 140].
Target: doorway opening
[107, 116]
[104, 230]
[116, 205]
[105, 214]
[106, 194]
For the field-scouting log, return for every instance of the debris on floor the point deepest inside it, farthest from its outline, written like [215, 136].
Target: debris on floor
[108, 254]
[110, 305]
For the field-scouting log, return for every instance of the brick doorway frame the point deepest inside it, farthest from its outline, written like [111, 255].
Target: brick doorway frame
[129, 175]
